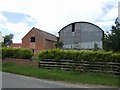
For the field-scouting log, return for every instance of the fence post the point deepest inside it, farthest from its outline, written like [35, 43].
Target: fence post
[118, 75]
[38, 63]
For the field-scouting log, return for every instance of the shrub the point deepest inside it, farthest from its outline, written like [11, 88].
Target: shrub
[16, 53]
[80, 55]
[115, 57]
[51, 54]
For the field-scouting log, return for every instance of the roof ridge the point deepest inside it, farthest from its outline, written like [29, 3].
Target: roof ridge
[81, 22]
[47, 35]
[44, 31]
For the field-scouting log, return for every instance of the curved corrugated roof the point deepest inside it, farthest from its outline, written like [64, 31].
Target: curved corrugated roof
[81, 22]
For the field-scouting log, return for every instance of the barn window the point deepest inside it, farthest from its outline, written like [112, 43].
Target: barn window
[32, 39]
[73, 27]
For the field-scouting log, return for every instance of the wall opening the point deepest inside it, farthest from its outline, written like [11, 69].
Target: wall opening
[73, 27]
[32, 39]
[33, 50]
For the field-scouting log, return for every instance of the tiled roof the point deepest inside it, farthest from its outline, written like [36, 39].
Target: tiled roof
[16, 45]
[47, 35]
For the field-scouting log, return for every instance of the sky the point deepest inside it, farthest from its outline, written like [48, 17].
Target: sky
[19, 16]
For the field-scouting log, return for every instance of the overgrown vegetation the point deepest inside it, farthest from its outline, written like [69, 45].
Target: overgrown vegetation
[68, 76]
[112, 39]
[79, 55]
[16, 53]
[7, 40]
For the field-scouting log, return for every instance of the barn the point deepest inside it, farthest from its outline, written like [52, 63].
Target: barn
[81, 35]
[38, 40]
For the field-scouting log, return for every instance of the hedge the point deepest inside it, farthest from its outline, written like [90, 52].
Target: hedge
[16, 53]
[58, 54]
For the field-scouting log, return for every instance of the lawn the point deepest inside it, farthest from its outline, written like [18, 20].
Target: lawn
[59, 75]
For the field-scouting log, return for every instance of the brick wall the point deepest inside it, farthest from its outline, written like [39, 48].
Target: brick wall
[41, 43]
[26, 62]
[49, 44]
[37, 45]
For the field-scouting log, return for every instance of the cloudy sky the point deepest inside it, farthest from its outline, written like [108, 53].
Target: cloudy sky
[19, 16]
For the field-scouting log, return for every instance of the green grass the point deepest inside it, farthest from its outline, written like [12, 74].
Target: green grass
[67, 76]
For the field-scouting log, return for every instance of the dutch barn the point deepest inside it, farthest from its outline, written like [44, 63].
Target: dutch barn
[81, 35]
[38, 40]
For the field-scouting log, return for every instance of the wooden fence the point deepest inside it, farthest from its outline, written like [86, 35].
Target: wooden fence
[81, 66]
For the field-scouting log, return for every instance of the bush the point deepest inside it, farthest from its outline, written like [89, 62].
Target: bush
[80, 55]
[16, 53]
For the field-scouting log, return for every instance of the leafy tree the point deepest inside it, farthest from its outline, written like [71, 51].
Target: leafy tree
[3, 44]
[112, 40]
[7, 40]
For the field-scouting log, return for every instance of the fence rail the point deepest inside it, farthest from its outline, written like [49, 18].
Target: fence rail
[81, 66]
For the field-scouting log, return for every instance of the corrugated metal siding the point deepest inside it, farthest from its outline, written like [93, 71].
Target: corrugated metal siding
[84, 37]
[83, 45]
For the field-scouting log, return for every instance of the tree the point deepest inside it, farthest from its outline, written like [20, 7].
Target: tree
[7, 40]
[112, 40]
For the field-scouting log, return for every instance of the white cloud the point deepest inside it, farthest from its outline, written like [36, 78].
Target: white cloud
[19, 30]
[53, 15]
[19, 27]
[29, 19]
[113, 13]
[18, 37]
[2, 18]
[3, 21]
[105, 24]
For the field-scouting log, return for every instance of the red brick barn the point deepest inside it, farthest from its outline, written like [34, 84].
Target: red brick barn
[38, 40]
[16, 45]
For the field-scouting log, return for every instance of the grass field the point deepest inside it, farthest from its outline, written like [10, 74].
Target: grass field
[58, 75]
